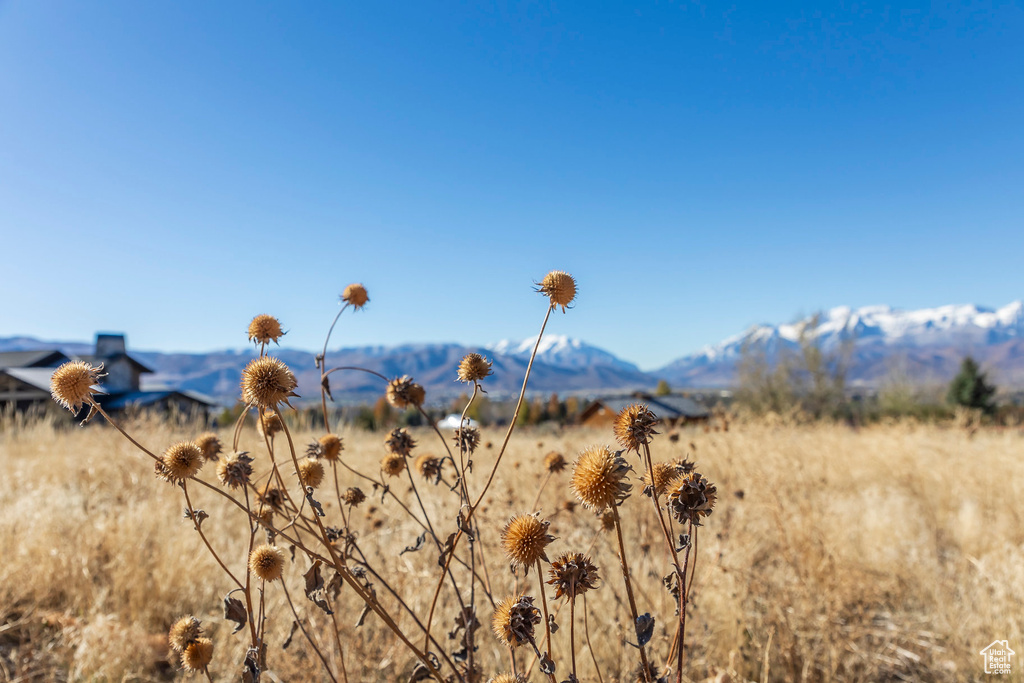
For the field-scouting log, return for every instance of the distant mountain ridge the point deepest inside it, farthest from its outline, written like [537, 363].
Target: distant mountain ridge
[924, 345]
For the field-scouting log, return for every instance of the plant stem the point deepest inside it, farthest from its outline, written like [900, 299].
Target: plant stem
[629, 592]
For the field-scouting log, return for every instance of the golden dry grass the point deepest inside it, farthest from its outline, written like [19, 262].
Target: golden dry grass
[891, 553]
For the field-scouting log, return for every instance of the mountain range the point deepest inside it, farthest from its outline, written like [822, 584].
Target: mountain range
[923, 346]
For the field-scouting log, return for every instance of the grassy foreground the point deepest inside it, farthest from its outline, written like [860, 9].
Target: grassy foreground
[890, 553]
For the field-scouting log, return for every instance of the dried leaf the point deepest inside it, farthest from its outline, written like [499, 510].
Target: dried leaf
[291, 633]
[197, 516]
[547, 667]
[325, 382]
[684, 542]
[446, 549]
[315, 587]
[420, 540]
[644, 628]
[234, 611]
[317, 507]
[552, 624]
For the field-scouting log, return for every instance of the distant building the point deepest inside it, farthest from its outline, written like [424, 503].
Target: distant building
[672, 410]
[25, 380]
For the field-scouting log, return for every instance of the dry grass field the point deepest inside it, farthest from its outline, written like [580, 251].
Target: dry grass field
[889, 553]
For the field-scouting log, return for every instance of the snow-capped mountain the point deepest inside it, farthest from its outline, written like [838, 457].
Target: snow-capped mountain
[928, 339]
[561, 351]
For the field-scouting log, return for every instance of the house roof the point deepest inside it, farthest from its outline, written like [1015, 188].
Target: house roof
[148, 398]
[670, 407]
[96, 360]
[36, 377]
[32, 359]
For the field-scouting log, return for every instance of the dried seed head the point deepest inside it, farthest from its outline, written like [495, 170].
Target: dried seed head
[184, 631]
[524, 539]
[473, 368]
[182, 461]
[210, 444]
[265, 329]
[599, 478]
[331, 447]
[311, 472]
[198, 655]
[353, 496]
[608, 521]
[392, 464]
[691, 498]
[268, 423]
[637, 675]
[572, 574]
[266, 562]
[664, 474]
[554, 462]
[71, 384]
[429, 467]
[634, 426]
[235, 470]
[266, 382]
[514, 619]
[467, 439]
[355, 295]
[399, 442]
[558, 286]
[508, 678]
[402, 392]
[273, 498]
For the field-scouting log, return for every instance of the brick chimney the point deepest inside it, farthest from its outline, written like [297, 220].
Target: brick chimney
[108, 345]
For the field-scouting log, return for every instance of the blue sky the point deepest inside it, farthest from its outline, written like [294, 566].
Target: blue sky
[172, 169]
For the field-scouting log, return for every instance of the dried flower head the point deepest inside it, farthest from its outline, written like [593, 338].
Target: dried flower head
[71, 385]
[692, 498]
[266, 562]
[268, 423]
[392, 464]
[637, 675]
[558, 286]
[514, 619]
[429, 467]
[507, 678]
[184, 631]
[235, 470]
[210, 444]
[198, 655]
[608, 521]
[634, 426]
[572, 574]
[554, 462]
[473, 368]
[399, 442]
[182, 461]
[524, 539]
[664, 474]
[599, 478]
[467, 439]
[273, 498]
[353, 496]
[330, 447]
[311, 472]
[355, 295]
[266, 382]
[402, 392]
[265, 329]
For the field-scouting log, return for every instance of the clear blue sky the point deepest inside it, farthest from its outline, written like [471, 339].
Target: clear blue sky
[170, 169]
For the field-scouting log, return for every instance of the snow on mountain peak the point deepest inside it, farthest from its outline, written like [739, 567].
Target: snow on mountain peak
[561, 351]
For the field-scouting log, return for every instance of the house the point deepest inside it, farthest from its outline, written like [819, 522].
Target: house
[672, 410]
[25, 381]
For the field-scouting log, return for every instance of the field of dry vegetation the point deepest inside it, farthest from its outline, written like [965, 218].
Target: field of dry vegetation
[894, 552]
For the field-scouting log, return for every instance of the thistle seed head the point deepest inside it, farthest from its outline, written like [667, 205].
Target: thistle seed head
[634, 426]
[266, 562]
[524, 539]
[514, 619]
[474, 368]
[402, 392]
[184, 631]
[429, 467]
[182, 461]
[353, 496]
[235, 470]
[392, 464]
[554, 462]
[355, 295]
[507, 678]
[210, 444]
[311, 472]
[198, 655]
[268, 423]
[599, 478]
[559, 287]
[467, 439]
[572, 574]
[399, 442]
[267, 382]
[331, 447]
[692, 498]
[664, 474]
[71, 384]
[265, 329]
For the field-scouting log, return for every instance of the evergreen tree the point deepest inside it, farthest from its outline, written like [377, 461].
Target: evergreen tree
[970, 389]
[663, 388]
